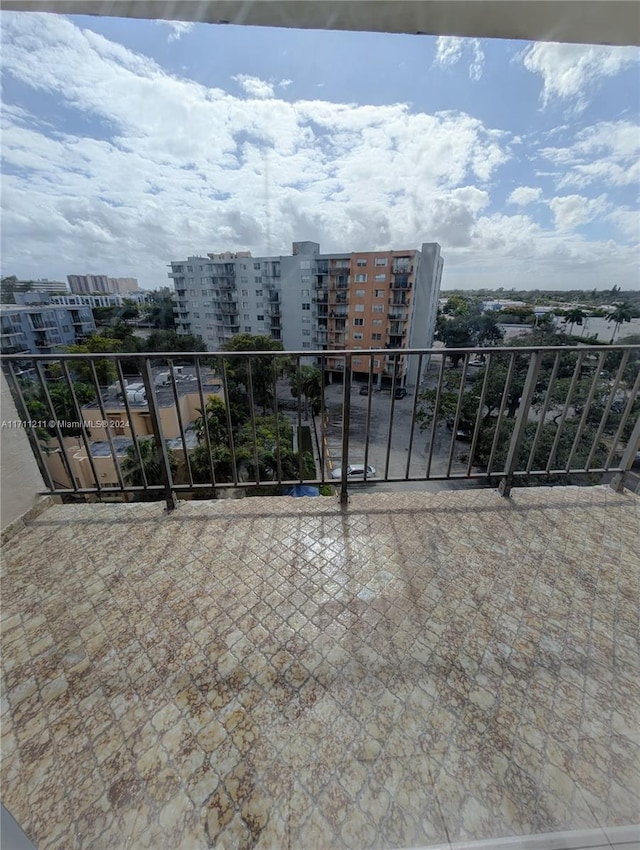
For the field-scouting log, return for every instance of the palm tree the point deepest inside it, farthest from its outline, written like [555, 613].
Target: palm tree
[132, 470]
[620, 314]
[574, 317]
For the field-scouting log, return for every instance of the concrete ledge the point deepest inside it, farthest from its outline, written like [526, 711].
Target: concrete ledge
[24, 519]
[609, 838]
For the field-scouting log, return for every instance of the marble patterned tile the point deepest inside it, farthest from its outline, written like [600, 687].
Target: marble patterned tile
[266, 673]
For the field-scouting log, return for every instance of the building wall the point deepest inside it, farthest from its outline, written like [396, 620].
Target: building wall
[310, 308]
[20, 478]
[41, 330]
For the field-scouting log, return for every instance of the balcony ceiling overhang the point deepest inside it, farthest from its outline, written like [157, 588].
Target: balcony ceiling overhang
[615, 22]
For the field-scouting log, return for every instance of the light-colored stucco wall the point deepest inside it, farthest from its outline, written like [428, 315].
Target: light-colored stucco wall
[20, 479]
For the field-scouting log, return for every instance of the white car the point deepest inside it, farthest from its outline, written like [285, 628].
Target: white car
[355, 471]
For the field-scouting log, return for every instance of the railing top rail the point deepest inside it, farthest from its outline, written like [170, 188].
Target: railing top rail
[519, 349]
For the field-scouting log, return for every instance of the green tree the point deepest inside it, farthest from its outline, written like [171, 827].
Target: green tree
[456, 305]
[105, 369]
[214, 421]
[575, 316]
[160, 313]
[622, 313]
[262, 367]
[168, 340]
[132, 470]
[307, 383]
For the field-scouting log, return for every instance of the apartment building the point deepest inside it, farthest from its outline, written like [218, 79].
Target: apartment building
[44, 285]
[112, 299]
[88, 284]
[43, 329]
[355, 301]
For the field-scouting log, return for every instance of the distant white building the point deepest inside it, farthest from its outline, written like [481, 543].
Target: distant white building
[44, 285]
[93, 284]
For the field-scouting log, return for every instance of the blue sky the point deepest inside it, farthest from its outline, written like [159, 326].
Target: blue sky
[129, 143]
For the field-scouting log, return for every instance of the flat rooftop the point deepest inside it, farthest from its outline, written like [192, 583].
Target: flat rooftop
[417, 669]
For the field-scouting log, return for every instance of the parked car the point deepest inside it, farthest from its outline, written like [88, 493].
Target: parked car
[355, 471]
[400, 392]
[364, 389]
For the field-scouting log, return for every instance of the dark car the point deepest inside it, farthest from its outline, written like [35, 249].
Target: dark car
[400, 392]
[364, 389]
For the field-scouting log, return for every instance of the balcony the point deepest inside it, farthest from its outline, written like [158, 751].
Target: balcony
[393, 669]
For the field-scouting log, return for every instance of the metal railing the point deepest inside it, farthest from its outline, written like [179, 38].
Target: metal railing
[148, 425]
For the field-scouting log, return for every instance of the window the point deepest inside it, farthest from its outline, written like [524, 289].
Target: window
[258, 293]
[357, 336]
[189, 268]
[379, 293]
[376, 336]
[306, 306]
[245, 305]
[259, 303]
[378, 308]
[306, 345]
[256, 267]
[381, 277]
[305, 293]
[306, 320]
[245, 292]
[243, 267]
[361, 262]
[377, 323]
[246, 317]
[359, 308]
[360, 293]
[247, 329]
[381, 261]
[257, 279]
[357, 361]
[358, 323]
[244, 280]
[261, 318]
[306, 331]
[376, 364]
[361, 278]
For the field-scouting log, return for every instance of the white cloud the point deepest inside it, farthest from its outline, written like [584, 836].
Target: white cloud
[254, 86]
[572, 211]
[628, 222]
[184, 168]
[607, 152]
[449, 50]
[178, 29]
[524, 195]
[283, 84]
[569, 71]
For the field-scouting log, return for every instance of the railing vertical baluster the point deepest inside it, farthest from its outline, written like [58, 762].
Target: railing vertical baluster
[503, 404]
[83, 430]
[277, 420]
[434, 421]
[252, 414]
[161, 447]
[367, 427]
[585, 412]
[543, 412]
[23, 411]
[607, 409]
[114, 453]
[346, 421]
[522, 419]
[183, 435]
[391, 412]
[54, 419]
[205, 422]
[299, 417]
[454, 431]
[625, 417]
[413, 416]
[633, 446]
[227, 403]
[323, 433]
[565, 411]
[134, 436]
[479, 415]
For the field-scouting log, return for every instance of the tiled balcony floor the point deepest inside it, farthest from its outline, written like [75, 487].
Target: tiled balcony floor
[276, 673]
